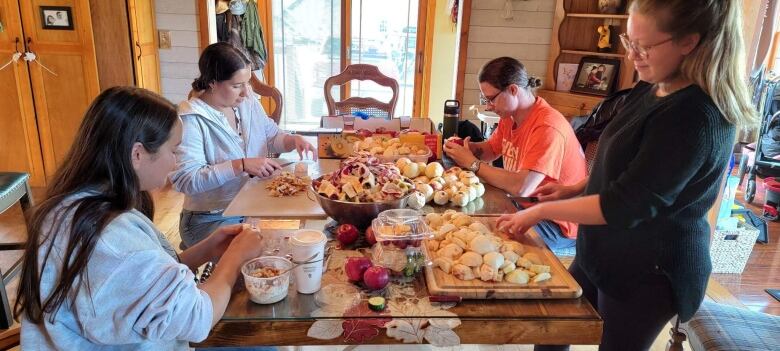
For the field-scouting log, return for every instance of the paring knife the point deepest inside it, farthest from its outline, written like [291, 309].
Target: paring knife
[532, 199]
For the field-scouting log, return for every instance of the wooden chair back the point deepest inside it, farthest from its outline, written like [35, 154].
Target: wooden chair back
[371, 106]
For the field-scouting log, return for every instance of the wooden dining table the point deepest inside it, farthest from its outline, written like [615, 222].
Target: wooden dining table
[293, 321]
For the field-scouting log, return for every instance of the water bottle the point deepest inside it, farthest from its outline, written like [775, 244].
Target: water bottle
[451, 118]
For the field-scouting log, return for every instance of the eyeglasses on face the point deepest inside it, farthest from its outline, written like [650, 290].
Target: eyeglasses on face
[484, 100]
[640, 50]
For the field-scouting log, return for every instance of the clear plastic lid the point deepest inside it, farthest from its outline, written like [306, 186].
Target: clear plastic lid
[400, 224]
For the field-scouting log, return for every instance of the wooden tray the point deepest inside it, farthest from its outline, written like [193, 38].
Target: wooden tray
[561, 286]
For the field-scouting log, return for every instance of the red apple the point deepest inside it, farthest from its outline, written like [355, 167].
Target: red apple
[355, 267]
[370, 237]
[401, 244]
[346, 234]
[364, 133]
[455, 140]
[381, 130]
[376, 277]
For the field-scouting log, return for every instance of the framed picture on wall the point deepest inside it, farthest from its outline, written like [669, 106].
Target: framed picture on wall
[596, 76]
[57, 17]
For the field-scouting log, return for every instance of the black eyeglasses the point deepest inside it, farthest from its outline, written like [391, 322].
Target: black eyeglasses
[484, 100]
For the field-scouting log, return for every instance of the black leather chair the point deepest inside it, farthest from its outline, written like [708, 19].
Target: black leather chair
[13, 188]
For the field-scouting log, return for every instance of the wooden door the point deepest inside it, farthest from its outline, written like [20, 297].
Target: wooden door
[62, 95]
[144, 37]
[19, 143]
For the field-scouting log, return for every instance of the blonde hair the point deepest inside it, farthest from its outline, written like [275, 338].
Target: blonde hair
[717, 64]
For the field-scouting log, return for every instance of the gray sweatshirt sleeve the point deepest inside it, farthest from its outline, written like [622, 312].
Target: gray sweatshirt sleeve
[272, 131]
[139, 295]
[193, 173]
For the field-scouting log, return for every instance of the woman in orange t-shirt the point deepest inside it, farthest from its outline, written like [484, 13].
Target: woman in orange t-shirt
[536, 142]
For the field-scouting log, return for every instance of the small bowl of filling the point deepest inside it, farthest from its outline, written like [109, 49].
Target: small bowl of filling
[267, 278]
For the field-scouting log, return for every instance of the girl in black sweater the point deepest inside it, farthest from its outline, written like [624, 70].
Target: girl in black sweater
[643, 246]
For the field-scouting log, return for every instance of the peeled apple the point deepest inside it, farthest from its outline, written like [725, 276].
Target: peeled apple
[460, 199]
[426, 190]
[411, 170]
[480, 189]
[434, 169]
[416, 200]
[402, 162]
[441, 197]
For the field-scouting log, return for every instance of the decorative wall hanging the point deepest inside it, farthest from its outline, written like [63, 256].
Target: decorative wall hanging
[56, 17]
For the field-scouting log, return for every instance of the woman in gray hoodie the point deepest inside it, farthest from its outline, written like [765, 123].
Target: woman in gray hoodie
[97, 274]
[227, 136]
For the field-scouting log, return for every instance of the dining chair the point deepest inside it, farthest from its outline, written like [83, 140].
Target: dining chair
[369, 105]
[14, 187]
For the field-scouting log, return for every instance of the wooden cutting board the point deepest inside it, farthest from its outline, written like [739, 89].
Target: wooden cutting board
[253, 199]
[561, 286]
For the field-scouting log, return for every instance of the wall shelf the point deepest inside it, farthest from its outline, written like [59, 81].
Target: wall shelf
[592, 53]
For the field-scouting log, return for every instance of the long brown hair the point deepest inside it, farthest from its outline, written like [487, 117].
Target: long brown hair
[717, 64]
[100, 160]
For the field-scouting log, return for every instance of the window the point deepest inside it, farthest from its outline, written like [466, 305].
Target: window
[307, 49]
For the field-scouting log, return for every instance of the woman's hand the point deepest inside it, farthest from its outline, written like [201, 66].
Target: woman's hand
[243, 246]
[260, 166]
[303, 147]
[221, 238]
[462, 155]
[214, 247]
[518, 223]
[554, 191]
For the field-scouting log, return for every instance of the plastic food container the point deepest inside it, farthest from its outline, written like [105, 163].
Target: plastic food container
[400, 236]
[271, 289]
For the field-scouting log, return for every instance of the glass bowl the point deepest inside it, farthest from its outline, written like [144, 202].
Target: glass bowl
[266, 290]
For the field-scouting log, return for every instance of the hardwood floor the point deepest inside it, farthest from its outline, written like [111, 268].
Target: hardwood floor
[763, 267]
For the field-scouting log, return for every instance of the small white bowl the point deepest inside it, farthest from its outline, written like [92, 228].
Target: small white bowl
[267, 290]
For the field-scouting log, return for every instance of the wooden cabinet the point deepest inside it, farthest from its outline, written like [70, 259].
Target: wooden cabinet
[574, 36]
[126, 45]
[44, 99]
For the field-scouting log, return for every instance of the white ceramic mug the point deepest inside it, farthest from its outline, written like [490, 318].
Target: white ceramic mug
[303, 244]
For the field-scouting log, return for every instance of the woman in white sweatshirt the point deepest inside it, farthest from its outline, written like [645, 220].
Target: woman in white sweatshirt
[227, 136]
[97, 274]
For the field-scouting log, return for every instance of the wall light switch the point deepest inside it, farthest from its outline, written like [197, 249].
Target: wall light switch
[164, 38]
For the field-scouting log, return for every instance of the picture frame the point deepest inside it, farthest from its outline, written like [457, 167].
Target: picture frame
[565, 76]
[56, 17]
[596, 76]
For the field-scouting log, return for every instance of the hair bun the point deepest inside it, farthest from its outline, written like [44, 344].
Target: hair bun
[534, 82]
[199, 84]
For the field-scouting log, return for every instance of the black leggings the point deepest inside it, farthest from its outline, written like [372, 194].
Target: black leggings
[632, 323]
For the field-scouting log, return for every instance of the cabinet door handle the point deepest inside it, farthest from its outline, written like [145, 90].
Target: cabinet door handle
[138, 45]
